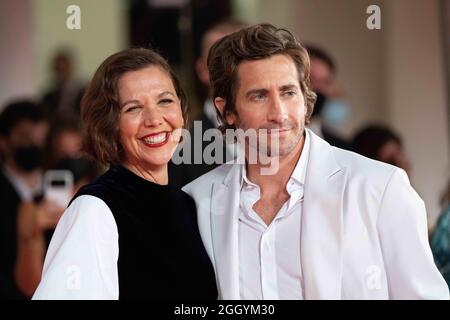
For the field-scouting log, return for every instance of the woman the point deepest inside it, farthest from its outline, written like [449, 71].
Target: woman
[130, 235]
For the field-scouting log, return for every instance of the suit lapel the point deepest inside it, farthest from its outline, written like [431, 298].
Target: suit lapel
[322, 225]
[225, 237]
[321, 230]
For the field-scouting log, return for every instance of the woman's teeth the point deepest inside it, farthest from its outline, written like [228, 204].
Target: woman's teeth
[156, 138]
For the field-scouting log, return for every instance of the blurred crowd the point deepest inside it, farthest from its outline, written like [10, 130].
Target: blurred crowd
[42, 135]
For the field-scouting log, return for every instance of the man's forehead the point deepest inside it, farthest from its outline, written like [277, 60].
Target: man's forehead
[26, 125]
[277, 70]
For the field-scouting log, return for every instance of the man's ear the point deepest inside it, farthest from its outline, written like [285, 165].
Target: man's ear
[220, 105]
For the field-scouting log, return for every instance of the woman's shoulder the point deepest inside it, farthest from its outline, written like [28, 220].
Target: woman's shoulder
[87, 209]
[183, 202]
[99, 188]
[181, 196]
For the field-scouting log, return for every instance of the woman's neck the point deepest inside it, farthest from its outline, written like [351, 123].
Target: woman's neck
[156, 174]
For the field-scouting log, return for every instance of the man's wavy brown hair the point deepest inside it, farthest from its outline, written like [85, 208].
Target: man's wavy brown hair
[253, 43]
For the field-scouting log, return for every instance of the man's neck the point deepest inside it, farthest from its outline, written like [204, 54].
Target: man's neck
[280, 178]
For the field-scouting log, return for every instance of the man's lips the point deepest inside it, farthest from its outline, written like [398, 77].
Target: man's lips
[276, 130]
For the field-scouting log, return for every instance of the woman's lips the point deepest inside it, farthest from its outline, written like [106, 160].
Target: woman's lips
[156, 139]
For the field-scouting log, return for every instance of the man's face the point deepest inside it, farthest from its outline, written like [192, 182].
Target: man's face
[27, 133]
[24, 145]
[321, 76]
[269, 97]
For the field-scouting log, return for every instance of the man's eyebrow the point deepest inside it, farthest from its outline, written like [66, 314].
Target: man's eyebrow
[256, 91]
[288, 87]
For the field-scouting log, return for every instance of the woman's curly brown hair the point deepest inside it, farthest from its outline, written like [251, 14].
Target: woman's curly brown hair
[100, 106]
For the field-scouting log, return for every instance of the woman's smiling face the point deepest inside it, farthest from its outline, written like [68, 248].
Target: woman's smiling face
[150, 113]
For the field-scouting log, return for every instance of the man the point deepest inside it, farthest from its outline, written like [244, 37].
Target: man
[329, 224]
[63, 99]
[181, 174]
[24, 221]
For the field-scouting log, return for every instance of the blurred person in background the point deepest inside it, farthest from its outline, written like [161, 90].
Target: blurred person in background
[383, 144]
[182, 174]
[64, 142]
[331, 111]
[63, 153]
[30, 258]
[63, 99]
[130, 234]
[440, 238]
[65, 149]
[23, 133]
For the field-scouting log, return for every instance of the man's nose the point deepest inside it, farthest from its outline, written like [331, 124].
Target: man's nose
[278, 112]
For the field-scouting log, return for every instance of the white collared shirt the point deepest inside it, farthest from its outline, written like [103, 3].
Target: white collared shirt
[25, 191]
[269, 255]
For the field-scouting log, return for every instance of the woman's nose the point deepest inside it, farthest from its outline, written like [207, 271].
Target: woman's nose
[152, 117]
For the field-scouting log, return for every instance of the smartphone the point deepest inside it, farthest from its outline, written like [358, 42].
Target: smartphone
[58, 186]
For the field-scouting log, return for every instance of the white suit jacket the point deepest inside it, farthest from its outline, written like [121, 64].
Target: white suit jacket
[363, 231]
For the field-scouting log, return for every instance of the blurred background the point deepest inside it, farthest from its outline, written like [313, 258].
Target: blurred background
[396, 76]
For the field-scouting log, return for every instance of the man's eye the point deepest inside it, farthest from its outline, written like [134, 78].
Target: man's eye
[258, 97]
[290, 93]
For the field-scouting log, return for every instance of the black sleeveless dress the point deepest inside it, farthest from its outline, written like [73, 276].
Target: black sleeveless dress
[161, 255]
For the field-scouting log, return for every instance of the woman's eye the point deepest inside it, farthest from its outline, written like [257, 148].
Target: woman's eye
[166, 101]
[132, 108]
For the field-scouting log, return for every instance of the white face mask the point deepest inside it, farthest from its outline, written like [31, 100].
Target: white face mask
[335, 113]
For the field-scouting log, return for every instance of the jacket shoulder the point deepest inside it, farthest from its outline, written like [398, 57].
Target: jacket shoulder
[363, 167]
[201, 184]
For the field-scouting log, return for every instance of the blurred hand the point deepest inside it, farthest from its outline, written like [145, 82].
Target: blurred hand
[34, 219]
[47, 214]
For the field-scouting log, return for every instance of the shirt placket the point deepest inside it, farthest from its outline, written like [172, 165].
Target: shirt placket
[269, 283]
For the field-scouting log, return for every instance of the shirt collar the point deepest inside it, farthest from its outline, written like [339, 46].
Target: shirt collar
[298, 175]
[25, 192]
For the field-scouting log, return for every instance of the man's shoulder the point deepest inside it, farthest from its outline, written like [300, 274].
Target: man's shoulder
[357, 165]
[217, 174]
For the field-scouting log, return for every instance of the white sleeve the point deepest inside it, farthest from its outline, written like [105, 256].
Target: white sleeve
[81, 261]
[402, 226]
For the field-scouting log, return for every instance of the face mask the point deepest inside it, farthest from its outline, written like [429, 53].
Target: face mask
[335, 113]
[28, 158]
[80, 167]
